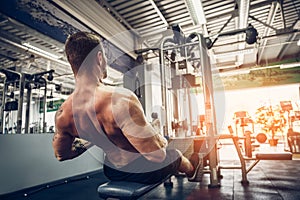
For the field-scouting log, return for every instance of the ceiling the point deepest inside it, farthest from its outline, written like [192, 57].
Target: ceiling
[150, 18]
[128, 25]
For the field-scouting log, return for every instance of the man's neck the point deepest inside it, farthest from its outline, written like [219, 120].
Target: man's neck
[85, 80]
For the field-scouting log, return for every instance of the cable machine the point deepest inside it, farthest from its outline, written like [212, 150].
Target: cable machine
[15, 85]
[185, 66]
[12, 101]
[180, 58]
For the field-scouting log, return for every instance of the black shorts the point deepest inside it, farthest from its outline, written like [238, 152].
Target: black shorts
[140, 169]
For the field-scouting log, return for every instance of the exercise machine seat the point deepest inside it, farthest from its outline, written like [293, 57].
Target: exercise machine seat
[124, 190]
[275, 156]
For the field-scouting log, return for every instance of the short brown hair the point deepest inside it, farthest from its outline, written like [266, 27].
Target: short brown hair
[78, 46]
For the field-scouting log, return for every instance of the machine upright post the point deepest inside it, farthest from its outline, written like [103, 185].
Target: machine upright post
[163, 92]
[210, 116]
[45, 108]
[2, 106]
[20, 103]
[166, 126]
[27, 118]
[190, 110]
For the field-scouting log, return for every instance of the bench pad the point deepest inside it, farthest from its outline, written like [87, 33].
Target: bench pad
[124, 190]
[274, 156]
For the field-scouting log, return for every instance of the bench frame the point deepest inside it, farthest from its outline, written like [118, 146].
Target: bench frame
[259, 156]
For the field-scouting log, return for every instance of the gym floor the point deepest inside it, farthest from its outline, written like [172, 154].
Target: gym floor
[267, 180]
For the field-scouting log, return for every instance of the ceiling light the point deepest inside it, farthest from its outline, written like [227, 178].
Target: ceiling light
[235, 72]
[290, 65]
[226, 67]
[196, 10]
[298, 43]
[28, 45]
[264, 67]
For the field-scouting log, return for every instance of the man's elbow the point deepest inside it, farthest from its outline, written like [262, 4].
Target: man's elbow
[61, 158]
[157, 156]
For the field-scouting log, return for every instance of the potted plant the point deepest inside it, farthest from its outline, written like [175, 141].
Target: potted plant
[271, 122]
[273, 141]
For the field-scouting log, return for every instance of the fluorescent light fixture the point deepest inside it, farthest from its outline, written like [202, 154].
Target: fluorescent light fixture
[265, 67]
[196, 10]
[234, 53]
[244, 6]
[290, 65]
[53, 99]
[235, 72]
[28, 45]
[226, 67]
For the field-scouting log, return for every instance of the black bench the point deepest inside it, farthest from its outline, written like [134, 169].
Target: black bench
[125, 190]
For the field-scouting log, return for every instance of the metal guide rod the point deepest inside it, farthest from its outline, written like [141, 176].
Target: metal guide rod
[27, 113]
[2, 107]
[210, 116]
[45, 108]
[20, 103]
[190, 109]
[164, 87]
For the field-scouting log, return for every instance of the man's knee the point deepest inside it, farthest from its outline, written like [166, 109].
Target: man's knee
[174, 156]
[173, 153]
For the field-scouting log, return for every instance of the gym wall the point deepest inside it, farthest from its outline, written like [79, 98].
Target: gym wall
[28, 160]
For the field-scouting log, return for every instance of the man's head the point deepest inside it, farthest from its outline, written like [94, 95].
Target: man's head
[79, 45]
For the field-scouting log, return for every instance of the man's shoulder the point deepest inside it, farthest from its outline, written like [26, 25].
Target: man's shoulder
[62, 115]
[122, 95]
[123, 91]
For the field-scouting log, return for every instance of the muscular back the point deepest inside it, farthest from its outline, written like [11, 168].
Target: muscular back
[112, 119]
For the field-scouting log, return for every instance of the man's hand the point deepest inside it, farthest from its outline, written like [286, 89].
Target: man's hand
[80, 145]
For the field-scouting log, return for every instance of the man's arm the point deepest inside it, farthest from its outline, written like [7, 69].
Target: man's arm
[64, 144]
[139, 131]
[68, 147]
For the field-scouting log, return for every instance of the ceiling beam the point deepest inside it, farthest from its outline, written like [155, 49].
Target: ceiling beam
[121, 19]
[26, 50]
[159, 13]
[7, 55]
[32, 32]
[286, 46]
[252, 7]
[270, 21]
[90, 13]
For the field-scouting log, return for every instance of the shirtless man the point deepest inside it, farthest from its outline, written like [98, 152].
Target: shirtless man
[112, 119]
